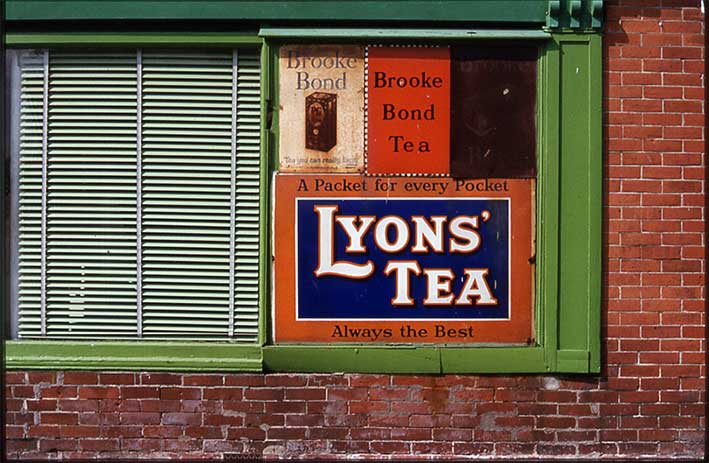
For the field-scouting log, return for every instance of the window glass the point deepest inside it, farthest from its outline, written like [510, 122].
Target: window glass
[136, 194]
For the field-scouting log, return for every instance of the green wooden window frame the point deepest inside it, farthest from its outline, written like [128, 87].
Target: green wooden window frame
[568, 223]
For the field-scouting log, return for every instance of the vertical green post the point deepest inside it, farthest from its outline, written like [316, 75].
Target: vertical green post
[547, 205]
[580, 203]
[264, 197]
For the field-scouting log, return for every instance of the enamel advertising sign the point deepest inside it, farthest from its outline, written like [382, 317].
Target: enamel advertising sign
[321, 100]
[408, 108]
[402, 260]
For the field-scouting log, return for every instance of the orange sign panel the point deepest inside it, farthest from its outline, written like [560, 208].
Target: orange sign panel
[362, 259]
[408, 110]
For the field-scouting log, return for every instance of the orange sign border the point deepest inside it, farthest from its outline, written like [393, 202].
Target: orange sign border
[287, 329]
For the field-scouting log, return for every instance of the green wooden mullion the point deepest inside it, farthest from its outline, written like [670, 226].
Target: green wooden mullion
[548, 209]
[82, 39]
[275, 113]
[540, 114]
[264, 199]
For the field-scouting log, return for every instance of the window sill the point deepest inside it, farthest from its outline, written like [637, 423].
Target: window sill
[404, 359]
[131, 356]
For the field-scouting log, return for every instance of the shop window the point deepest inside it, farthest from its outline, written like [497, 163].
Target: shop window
[136, 194]
[147, 185]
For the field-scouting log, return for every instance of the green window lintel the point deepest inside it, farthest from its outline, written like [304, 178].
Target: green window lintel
[162, 39]
[504, 11]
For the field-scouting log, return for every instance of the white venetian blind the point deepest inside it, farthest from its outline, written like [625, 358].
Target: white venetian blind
[29, 205]
[91, 203]
[147, 224]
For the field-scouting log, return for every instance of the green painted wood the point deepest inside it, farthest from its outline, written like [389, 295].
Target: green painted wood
[595, 198]
[569, 201]
[404, 359]
[166, 356]
[274, 113]
[382, 34]
[574, 194]
[503, 11]
[547, 205]
[365, 359]
[572, 361]
[23, 39]
[493, 360]
[575, 14]
[265, 203]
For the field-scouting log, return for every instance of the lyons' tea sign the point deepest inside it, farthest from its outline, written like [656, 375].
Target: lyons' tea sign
[402, 260]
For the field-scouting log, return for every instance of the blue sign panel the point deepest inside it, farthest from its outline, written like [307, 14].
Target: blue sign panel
[383, 258]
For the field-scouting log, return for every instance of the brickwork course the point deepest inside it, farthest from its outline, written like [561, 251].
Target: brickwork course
[649, 400]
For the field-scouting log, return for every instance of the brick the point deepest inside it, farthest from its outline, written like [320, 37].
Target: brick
[285, 407]
[41, 405]
[114, 379]
[180, 393]
[451, 434]
[39, 377]
[80, 377]
[139, 392]
[44, 431]
[77, 431]
[15, 377]
[305, 420]
[203, 380]
[160, 378]
[369, 407]
[99, 445]
[139, 418]
[122, 431]
[59, 418]
[181, 418]
[223, 393]
[162, 431]
[556, 449]
[263, 394]
[99, 392]
[305, 394]
[280, 380]
[57, 445]
[432, 448]
[55, 392]
[389, 447]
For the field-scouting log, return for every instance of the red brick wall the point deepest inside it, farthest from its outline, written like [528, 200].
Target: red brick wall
[648, 401]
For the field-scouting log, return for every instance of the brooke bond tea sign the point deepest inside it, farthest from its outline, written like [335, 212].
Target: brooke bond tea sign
[409, 92]
[321, 108]
[402, 260]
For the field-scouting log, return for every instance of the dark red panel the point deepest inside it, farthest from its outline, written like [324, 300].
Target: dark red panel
[493, 106]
